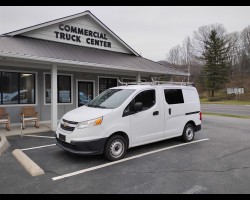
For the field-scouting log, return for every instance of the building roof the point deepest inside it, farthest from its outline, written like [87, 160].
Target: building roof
[42, 50]
[71, 17]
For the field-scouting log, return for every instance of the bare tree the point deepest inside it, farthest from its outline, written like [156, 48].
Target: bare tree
[203, 34]
[174, 55]
[245, 39]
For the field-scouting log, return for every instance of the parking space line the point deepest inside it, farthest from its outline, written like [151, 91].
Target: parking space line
[196, 189]
[123, 160]
[39, 147]
[39, 136]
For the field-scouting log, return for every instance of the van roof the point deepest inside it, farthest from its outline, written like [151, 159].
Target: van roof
[137, 87]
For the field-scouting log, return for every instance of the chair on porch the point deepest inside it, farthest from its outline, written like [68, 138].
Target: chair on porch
[29, 114]
[5, 118]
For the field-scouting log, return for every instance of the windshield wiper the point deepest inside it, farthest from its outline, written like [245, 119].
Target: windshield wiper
[94, 106]
[101, 107]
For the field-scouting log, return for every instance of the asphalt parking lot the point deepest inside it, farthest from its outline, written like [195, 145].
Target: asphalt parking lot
[220, 164]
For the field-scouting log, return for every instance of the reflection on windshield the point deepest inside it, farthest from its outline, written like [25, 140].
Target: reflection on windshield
[111, 98]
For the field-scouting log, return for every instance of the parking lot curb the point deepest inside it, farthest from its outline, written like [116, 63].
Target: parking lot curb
[4, 144]
[27, 163]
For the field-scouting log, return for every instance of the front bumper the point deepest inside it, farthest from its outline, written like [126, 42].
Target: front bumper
[92, 147]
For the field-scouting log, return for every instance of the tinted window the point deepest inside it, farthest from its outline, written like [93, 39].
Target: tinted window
[63, 88]
[106, 83]
[147, 98]
[17, 88]
[27, 89]
[173, 96]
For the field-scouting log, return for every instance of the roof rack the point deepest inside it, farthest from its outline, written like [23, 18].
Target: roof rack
[153, 82]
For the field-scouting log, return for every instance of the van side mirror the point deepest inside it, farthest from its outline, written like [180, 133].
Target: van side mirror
[138, 106]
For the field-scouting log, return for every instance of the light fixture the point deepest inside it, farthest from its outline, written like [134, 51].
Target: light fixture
[25, 75]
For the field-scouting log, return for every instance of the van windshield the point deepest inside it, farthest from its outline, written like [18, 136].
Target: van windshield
[111, 98]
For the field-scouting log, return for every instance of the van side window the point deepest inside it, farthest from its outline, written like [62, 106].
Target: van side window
[147, 98]
[173, 96]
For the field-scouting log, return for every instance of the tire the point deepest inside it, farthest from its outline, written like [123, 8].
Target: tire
[188, 133]
[115, 148]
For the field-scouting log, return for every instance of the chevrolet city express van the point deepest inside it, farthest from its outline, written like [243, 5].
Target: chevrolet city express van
[129, 116]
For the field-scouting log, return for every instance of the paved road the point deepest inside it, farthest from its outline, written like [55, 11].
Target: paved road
[220, 165]
[241, 110]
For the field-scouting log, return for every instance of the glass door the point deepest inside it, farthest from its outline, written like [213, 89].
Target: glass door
[85, 92]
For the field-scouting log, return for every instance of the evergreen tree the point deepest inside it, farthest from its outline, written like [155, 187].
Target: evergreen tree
[215, 55]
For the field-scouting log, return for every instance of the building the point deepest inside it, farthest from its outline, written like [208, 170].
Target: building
[62, 64]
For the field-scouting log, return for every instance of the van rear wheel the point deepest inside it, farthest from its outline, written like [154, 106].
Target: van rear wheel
[115, 148]
[188, 133]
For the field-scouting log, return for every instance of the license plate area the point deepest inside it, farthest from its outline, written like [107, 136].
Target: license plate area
[62, 137]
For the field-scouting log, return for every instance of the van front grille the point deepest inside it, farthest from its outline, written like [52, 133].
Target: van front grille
[67, 128]
[70, 122]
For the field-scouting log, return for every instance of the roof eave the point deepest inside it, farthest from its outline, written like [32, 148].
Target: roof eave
[76, 63]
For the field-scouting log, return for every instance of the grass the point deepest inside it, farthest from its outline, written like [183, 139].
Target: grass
[226, 115]
[226, 102]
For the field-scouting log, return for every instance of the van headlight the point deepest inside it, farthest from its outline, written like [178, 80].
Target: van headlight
[90, 123]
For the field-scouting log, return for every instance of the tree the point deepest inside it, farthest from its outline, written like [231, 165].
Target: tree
[174, 55]
[215, 55]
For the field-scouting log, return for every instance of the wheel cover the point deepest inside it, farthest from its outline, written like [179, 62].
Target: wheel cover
[189, 133]
[117, 148]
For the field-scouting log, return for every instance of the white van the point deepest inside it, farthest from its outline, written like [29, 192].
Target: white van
[129, 116]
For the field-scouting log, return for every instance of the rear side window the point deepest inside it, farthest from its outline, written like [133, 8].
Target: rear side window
[173, 96]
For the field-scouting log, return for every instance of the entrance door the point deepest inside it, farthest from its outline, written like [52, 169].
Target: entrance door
[85, 92]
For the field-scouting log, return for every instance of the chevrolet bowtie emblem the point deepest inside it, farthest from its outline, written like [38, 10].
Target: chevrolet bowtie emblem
[65, 124]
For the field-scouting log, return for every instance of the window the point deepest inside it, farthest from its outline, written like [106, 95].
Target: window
[147, 98]
[173, 96]
[63, 88]
[111, 98]
[106, 83]
[17, 88]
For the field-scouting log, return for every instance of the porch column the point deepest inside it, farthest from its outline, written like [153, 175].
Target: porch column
[171, 78]
[138, 77]
[54, 114]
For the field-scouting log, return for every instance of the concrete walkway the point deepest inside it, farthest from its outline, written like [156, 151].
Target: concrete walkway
[30, 129]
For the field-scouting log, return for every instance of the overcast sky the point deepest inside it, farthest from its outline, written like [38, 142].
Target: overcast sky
[151, 31]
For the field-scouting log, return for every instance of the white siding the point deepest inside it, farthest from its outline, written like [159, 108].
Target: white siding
[85, 22]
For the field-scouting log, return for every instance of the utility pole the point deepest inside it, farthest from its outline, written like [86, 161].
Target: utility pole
[188, 58]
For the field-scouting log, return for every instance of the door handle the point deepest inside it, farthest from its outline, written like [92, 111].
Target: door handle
[155, 113]
[170, 111]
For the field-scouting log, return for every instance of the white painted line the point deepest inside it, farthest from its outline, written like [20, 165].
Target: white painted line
[39, 136]
[38, 147]
[196, 189]
[123, 160]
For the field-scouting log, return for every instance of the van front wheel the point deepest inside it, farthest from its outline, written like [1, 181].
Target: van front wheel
[116, 148]
[188, 133]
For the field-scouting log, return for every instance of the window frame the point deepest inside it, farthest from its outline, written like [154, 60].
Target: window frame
[35, 87]
[133, 79]
[44, 89]
[173, 89]
[98, 82]
[133, 102]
